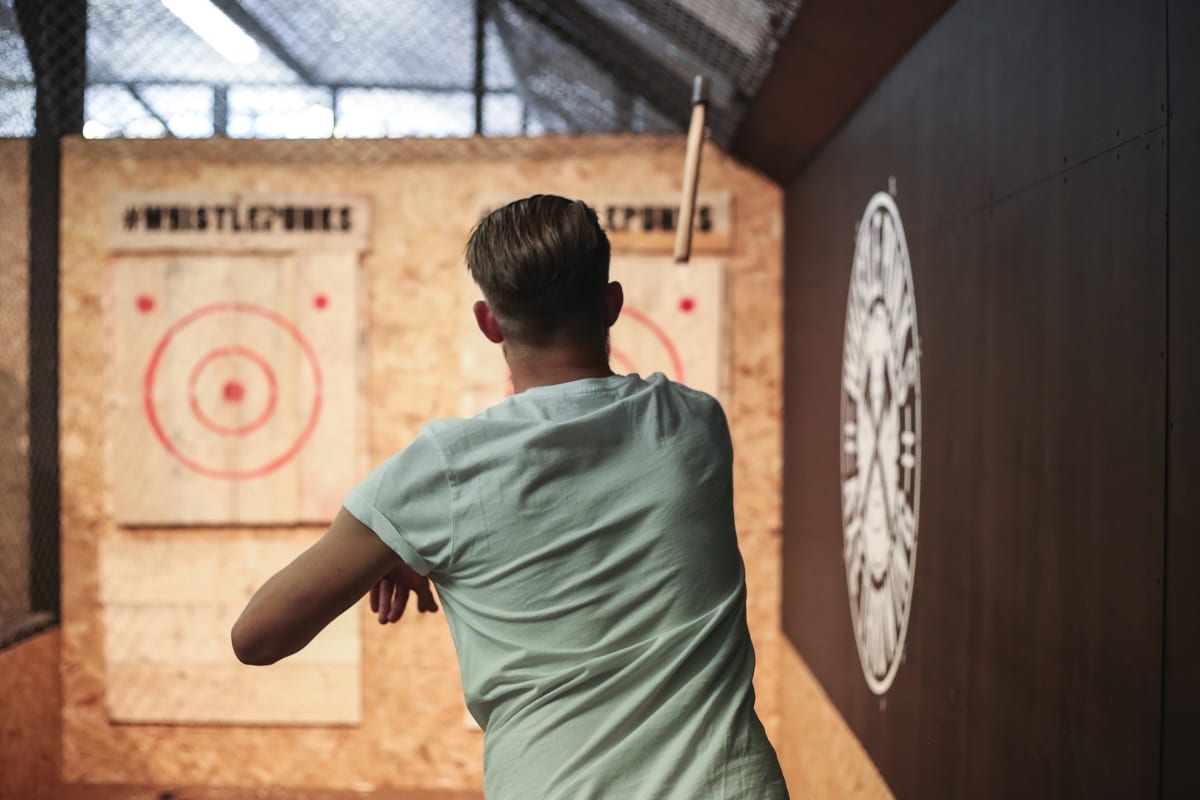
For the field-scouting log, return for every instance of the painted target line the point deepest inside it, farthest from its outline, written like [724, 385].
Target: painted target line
[623, 361]
[658, 335]
[233, 390]
[222, 384]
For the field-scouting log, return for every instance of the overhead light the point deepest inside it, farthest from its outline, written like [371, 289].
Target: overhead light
[95, 130]
[211, 25]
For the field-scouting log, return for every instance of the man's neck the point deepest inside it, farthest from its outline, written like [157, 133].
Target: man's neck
[532, 367]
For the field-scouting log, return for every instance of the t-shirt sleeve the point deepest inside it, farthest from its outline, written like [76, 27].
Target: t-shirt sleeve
[407, 502]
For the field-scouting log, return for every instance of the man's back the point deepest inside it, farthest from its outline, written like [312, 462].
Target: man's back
[582, 541]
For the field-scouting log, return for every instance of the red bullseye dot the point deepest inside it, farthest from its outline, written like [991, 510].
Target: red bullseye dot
[687, 305]
[320, 301]
[145, 303]
[233, 392]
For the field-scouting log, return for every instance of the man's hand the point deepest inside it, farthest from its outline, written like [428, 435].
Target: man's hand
[389, 595]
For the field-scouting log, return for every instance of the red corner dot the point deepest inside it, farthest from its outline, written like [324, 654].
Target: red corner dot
[320, 301]
[686, 305]
[145, 303]
[234, 392]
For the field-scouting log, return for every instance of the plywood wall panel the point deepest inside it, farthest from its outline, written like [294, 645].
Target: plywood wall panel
[14, 299]
[288, 694]
[424, 197]
[182, 634]
[167, 607]
[820, 755]
[192, 567]
[30, 725]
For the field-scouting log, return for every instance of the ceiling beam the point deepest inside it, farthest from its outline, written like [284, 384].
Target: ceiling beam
[707, 46]
[519, 69]
[141, 100]
[8, 19]
[253, 26]
[113, 80]
[633, 69]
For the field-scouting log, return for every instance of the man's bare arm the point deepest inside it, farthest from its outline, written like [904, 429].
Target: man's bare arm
[301, 599]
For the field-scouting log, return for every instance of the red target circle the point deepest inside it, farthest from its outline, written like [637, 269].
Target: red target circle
[623, 361]
[660, 335]
[233, 391]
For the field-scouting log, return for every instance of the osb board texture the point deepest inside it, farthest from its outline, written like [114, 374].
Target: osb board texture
[14, 254]
[14, 300]
[283, 330]
[424, 194]
[30, 723]
[167, 653]
[820, 755]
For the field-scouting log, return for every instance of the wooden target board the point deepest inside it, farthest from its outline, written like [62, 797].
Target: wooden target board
[235, 400]
[168, 607]
[235, 387]
[672, 323]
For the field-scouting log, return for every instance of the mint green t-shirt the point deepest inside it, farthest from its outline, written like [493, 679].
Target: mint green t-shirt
[582, 543]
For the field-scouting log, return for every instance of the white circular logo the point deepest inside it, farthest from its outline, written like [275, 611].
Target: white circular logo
[881, 441]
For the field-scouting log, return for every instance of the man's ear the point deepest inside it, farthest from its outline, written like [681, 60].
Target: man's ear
[614, 300]
[487, 323]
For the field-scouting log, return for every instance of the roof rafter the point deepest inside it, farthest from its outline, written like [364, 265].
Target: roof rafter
[145, 104]
[634, 69]
[253, 26]
[694, 35]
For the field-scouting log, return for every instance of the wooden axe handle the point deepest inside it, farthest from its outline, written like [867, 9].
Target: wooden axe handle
[691, 173]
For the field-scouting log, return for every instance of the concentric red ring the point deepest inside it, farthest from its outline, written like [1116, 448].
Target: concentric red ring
[209, 422]
[664, 340]
[156, 425]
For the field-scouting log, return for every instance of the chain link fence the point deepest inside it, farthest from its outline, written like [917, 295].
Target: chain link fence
[365, 70]
[393, 69]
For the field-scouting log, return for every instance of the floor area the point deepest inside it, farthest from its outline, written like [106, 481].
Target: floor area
[113, 792]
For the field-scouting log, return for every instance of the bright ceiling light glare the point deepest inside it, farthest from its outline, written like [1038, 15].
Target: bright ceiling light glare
[94, 130]
[321, 121]
[211, 25]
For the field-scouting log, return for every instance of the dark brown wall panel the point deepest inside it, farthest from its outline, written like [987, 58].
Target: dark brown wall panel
[1181, 701]
[1027, 141]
